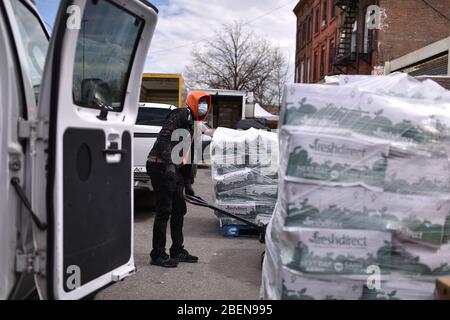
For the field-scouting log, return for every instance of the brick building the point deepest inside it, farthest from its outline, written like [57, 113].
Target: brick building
[317, 34]
[303, 62]
[343, 44]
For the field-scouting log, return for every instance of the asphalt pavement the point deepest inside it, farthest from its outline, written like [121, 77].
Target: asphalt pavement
[229, 268]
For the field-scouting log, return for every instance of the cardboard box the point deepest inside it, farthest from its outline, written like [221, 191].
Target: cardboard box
[335, 161]
[443, 288]
[356, 110]
[418, 175]
[420, 219]
[398, 287]
[340, 252]
[417, 260]
[299, 287]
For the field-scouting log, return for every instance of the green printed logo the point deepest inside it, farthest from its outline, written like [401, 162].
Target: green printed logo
[334, 148]
[416, 235]
[339, 241]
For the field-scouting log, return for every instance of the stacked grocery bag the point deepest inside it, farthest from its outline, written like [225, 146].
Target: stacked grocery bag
[364, 191]
[244, 167]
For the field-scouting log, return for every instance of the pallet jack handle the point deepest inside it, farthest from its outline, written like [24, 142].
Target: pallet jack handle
[200, 202]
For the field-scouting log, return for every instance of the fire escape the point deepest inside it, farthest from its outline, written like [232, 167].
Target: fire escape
[346, 54]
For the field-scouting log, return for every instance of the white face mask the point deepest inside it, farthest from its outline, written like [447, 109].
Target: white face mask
[202, 109]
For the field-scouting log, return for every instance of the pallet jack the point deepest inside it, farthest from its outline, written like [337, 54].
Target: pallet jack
[200, 202]
[261, 228]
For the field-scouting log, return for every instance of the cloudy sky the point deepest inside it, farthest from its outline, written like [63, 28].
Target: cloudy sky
[183, 24]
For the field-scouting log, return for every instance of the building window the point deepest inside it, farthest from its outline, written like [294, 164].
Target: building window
[308, 70]
[304, 26]
[324, 13]
[354, 36]
[322, 61]
[366, 40]
[302, 72]
[299, 36]
[310, 27]
[333, 8]
[367, 35]
[331, 56]
[317, 18]
[316, 62]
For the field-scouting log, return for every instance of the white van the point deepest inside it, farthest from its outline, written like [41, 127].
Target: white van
[68, 106]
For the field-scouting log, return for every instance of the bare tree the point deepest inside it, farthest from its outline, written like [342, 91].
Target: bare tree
[237, 59]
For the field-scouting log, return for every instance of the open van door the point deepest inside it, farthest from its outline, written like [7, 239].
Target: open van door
[82, 170]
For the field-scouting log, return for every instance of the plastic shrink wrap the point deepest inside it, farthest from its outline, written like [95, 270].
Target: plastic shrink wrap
[244, 166]
[363, 203]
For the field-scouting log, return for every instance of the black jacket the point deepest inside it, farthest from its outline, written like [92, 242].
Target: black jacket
[177, 119]
[181, 118]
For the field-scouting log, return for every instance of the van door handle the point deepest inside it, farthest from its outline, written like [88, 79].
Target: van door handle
[114, 155]
[114, 150]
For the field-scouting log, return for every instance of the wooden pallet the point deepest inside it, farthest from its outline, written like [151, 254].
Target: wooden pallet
[236, 231]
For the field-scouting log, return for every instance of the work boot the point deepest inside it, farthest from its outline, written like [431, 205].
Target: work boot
[164, 261]
[184, 256]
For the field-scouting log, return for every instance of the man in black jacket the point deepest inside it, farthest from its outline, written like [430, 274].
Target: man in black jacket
[170, 176]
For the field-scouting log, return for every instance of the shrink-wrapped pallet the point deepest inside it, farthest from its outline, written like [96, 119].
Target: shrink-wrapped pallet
[363, 209]
[244, 167]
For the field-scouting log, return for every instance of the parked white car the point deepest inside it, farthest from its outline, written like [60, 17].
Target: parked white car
[151, 117]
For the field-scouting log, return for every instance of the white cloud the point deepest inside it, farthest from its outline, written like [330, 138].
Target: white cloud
[185, 23]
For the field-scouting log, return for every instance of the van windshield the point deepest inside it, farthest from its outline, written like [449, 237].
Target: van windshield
[34, 41]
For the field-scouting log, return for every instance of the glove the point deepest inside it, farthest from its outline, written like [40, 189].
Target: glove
[188, 190]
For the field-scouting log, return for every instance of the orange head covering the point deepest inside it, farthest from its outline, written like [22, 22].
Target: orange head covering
[192, 103]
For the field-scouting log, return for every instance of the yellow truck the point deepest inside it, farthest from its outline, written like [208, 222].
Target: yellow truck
[163, 89]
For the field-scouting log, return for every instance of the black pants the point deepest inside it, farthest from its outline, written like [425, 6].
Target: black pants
[168, 185]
